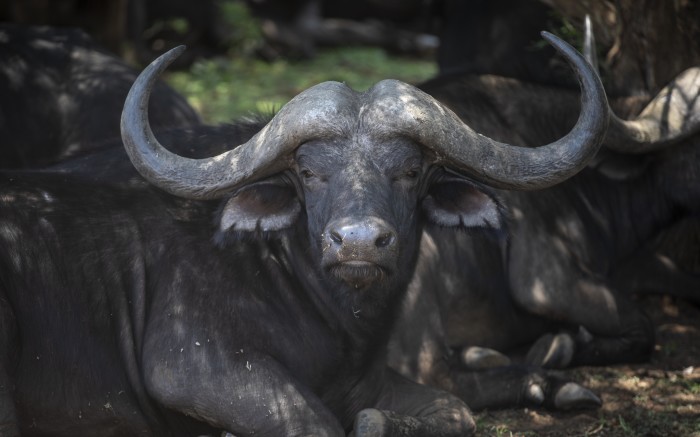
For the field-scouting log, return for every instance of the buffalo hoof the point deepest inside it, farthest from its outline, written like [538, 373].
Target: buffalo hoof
[535, 394]
[370, 423]
[548, 390]
[480, 358]
[552, 351]
[572, 396]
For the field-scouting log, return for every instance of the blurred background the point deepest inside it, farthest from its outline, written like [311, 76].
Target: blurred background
[253, 55]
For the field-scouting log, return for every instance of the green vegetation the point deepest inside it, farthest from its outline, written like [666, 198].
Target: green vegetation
[244, 30]
[226, 88]
[223, 89]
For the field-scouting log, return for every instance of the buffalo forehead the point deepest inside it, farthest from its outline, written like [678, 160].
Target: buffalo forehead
[362, 150]
[378, 123]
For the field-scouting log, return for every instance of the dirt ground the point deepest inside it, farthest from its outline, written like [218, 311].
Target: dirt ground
[660, 398]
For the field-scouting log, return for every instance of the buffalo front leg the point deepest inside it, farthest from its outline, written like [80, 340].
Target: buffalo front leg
[253, 395]
[406, 408]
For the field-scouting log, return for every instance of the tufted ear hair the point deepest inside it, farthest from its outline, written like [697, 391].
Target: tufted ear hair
[259, 209]
[456, 202]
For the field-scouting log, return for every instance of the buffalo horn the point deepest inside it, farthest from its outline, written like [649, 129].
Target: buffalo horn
[589, 48]
[393, 108]
[316, 112]
[670, 117]
[415, 114]
[673, 115]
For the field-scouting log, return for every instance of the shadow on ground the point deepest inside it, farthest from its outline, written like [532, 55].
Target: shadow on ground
[660, 398]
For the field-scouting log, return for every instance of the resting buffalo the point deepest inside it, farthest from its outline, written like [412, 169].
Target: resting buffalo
[249, 289]
[574, 253]
[61, 93]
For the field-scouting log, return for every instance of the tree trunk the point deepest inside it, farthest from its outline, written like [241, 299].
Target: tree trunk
[645, 43]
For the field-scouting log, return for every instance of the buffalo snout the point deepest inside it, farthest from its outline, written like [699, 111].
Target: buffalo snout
[362, 236]
[360, 251]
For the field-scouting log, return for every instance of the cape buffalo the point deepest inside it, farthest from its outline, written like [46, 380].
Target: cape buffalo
[61, 93]
[573, 256]
[252, 288]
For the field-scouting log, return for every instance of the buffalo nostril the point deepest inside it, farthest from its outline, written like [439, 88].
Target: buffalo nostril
[384, 240]
[336, 237]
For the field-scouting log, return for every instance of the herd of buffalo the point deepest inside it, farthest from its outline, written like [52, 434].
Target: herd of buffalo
[361, 263]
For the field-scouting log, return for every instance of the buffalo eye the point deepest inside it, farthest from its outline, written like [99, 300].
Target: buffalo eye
[306, 174]
[412, 174]
[408, 176]
[311, 180]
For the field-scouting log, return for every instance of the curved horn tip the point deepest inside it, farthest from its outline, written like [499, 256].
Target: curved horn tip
[556, 42]
[587, 22]
[548, 35]
[168, 57]
[149, 75]
[589, 48]
[178, 49]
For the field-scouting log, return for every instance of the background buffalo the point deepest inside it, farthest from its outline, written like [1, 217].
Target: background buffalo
[62, 94]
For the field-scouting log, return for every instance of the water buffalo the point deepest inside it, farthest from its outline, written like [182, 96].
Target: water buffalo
[574, 254]
[248, 288]
[61, 93]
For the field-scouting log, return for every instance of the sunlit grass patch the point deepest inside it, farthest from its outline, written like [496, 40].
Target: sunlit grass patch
[223, 89]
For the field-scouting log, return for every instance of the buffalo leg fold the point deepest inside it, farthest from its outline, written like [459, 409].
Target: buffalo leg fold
[250, 396]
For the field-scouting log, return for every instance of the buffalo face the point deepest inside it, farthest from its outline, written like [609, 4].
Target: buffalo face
[361, 201]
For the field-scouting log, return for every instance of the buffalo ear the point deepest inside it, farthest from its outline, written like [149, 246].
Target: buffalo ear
[262, 207]
[455, 202]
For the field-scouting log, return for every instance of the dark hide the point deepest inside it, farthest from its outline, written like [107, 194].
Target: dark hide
[61, 94]
[126, 311]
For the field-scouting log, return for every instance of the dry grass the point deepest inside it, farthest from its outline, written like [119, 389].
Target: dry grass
[660, 398]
